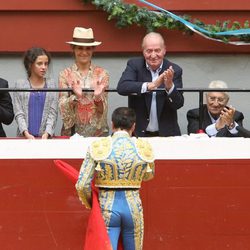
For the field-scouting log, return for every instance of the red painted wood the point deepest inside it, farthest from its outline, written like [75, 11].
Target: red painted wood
[204, 5]
[58, 5]
[35, 217]
[190, 205]
[52, 35]
[50, 24]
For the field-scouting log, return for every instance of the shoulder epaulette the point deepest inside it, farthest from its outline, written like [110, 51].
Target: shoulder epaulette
[144, 150]
[100, 149]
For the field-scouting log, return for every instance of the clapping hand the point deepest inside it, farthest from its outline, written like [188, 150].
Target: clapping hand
[99, 88]
[76, 88]
[168, 76]
[156, 83]
[226, 117]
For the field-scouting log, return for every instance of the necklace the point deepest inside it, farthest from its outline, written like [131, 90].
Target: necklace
[85, 79]
[37, 85]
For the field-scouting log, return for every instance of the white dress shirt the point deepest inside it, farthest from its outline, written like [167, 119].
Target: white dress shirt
[153, 120]
[212, 131]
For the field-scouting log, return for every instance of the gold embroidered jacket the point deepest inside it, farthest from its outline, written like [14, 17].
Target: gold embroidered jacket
[117, 161]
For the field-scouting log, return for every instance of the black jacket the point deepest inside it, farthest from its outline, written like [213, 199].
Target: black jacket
[6, 108]
[130, 85]
[193, 122]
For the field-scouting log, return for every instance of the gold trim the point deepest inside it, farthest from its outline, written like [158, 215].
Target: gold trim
[118, 183]
[101, 149]
[144, 150]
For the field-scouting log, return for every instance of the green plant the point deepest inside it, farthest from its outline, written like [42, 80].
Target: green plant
[130, 14]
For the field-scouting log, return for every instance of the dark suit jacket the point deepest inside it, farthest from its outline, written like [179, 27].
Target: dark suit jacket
[193, 122]
[130, 84]
[6, 108]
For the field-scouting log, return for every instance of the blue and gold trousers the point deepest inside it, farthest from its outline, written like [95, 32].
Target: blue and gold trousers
[123, 215]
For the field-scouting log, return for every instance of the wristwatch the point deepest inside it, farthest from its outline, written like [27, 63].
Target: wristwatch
[231, 126]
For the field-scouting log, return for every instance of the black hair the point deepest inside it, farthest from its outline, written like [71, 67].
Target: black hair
[31, 55]
[123, 118]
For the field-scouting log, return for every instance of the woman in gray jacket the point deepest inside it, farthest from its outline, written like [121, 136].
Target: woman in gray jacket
[36, 111]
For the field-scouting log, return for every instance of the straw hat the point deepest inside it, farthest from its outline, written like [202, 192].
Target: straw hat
[83, 37]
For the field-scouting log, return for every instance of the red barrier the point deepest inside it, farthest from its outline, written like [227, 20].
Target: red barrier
[191, 204]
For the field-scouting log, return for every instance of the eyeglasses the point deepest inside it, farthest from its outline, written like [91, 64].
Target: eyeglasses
[213, 99]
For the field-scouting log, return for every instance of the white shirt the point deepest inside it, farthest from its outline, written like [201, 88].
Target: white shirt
[153, 120]
[212, 131]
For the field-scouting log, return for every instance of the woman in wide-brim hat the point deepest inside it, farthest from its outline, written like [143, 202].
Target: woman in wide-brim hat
[82, 112]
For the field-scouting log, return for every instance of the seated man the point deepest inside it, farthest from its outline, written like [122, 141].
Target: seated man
[218, 118]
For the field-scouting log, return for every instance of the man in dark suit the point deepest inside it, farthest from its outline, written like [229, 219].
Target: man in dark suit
[156, 111]
[218, 119]
[6, 108]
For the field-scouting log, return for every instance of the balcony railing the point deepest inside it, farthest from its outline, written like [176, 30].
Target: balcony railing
[200, 91]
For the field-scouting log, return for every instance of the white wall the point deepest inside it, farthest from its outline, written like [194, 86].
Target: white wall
[198, 71]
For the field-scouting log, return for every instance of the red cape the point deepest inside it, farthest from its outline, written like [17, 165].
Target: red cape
[96, 235]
